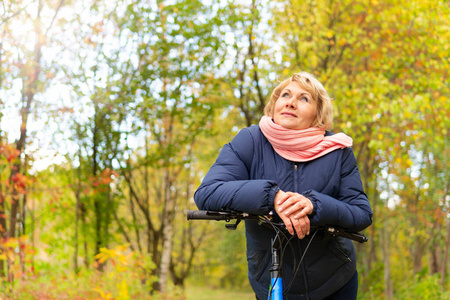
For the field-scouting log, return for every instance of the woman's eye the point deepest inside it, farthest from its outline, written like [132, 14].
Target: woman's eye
[305, 99]
[285, 95]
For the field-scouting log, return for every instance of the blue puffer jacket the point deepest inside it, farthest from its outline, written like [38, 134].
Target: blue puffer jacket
[246, 176]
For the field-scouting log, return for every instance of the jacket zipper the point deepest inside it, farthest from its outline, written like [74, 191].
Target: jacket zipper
[343, 253]
[296, 189]
[295, 177]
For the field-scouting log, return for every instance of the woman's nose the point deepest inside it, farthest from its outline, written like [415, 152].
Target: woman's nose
[291, 102]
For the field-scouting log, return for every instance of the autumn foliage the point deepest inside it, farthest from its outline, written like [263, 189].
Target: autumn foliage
[111, 112]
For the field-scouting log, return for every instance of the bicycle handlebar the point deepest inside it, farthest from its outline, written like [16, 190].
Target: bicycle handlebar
[229, 215]
[355, 236]
[217, 215]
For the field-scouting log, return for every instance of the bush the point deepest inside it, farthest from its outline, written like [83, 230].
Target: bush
[424, 287]
[125, 276]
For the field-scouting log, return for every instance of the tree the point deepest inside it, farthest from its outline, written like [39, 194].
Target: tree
[374, 67]
[174, 88]
[22, 61]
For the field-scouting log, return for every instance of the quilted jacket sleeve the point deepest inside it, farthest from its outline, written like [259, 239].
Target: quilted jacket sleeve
[352, 209]
[227, 185]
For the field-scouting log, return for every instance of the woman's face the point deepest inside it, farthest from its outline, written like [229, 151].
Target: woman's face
[295, 108]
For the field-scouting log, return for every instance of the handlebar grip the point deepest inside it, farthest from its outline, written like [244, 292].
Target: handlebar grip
[358, 237]
[207, 215]
[355, 236]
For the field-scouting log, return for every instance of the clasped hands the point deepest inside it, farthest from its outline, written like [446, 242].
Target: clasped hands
[293, 210]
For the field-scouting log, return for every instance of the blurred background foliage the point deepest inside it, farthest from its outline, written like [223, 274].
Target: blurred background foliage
[111, 112]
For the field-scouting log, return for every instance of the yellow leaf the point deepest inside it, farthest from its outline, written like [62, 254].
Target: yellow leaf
[11, 243]
[123, 291]
[101, 257]
[123, 260]
[103, 295]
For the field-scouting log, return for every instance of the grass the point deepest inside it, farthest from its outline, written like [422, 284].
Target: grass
[205, 293]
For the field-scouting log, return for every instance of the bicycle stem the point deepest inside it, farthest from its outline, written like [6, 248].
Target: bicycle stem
[276, 282]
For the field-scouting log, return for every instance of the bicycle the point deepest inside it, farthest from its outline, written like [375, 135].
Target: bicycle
[276, 290]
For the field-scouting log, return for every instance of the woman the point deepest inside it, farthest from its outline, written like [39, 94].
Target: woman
[291, 165]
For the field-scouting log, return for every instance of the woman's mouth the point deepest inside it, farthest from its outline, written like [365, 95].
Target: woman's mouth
[289, 114]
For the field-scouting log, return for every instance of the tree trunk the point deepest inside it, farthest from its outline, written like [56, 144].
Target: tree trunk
[3, 224]
[445, 261]
[27, 98]
[165, 256]
[167, 235]
[388, 291]
[133, 214]
[77, 217]
[419, 245]
[418, 255]
[435, 258]
[385, 240]
[22, 230]
[95, 170]
[77, 207]
[447, 240]
[3, 228]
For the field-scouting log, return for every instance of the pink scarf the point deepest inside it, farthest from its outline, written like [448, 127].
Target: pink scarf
[301, 145]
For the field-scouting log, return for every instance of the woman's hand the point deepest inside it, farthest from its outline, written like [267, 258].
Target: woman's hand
[294, 209]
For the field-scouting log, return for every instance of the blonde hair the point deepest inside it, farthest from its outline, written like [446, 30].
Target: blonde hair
[324, 116]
